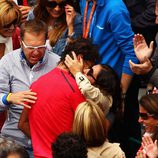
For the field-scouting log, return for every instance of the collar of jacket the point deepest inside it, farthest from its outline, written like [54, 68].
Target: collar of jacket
[100, 2]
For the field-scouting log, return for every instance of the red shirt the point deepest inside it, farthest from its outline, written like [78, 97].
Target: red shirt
[58, 96]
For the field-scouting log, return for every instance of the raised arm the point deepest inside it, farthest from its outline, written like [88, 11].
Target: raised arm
[141, 48]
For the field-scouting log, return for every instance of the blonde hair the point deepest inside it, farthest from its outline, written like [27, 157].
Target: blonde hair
[9, 12]
[41, 13]
[90, 124]
[56, 33]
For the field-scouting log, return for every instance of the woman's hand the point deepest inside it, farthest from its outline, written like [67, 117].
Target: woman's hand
[70, 16]
[150, 147]
[75, 65]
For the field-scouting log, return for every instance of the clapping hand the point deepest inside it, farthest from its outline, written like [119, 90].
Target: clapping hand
[150, 147]
[141, 48]
[142, 68]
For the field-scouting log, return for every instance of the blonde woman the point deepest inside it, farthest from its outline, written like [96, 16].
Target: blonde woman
[10, 17]
[90, 124]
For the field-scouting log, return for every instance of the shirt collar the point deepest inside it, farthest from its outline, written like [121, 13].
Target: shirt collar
[41, 61]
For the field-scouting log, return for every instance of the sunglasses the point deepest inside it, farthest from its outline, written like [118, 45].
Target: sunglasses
[145, 116]
[7, 26]
[90, 73]
[32, 48]
[54, 4]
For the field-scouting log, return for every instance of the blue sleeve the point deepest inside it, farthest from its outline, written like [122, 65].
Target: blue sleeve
[123, 34]
[62, 42]
[30, 15]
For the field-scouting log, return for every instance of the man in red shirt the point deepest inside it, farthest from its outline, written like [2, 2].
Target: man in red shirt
[58, 96]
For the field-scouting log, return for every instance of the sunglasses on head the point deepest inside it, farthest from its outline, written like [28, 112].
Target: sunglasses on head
[54, 4]
[7, 26]
[145, 116]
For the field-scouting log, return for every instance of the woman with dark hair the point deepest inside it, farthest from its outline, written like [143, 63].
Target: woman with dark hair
[99, 83]
[62, 20]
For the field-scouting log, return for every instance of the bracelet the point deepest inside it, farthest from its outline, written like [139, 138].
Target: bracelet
[8, 97]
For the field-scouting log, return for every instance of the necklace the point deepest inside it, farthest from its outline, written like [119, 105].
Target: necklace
[86, 26]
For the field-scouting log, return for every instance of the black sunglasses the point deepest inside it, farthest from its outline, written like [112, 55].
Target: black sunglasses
[90, 73]
[145, 116]
[7, 26]
[53, 4]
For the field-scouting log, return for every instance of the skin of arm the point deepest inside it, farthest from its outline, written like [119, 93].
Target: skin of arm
[125, 82]
[23, 124]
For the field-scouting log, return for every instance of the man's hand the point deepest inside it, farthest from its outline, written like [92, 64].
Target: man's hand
[21, 98]
[75, 65]
[141, 48]
[142, 68]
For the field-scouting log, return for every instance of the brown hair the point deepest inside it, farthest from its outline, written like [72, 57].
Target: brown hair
[150, 103]
[41, 13]
[90, 124]
[33, 26]
[9, 12]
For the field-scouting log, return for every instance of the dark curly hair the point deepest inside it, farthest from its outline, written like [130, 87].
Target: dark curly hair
[69, 145]
[82, 47]
[109, 83]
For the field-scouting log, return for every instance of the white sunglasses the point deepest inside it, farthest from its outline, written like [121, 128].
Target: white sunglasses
[34, 47]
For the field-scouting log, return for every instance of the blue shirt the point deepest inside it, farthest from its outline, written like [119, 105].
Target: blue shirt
[111, 31]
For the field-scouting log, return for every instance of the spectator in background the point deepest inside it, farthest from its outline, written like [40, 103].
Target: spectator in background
[69, 145]
[18, 69]
[148, 117]
[62, 20]
[90, 124]
[9, 149]
[10, 17]
[115, 42]
[25, 6]
[143, 17]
